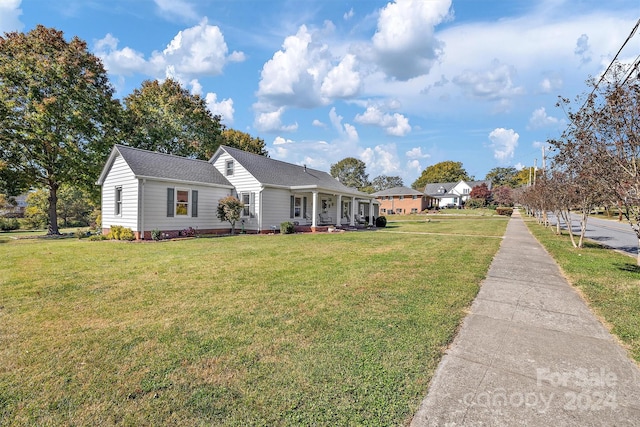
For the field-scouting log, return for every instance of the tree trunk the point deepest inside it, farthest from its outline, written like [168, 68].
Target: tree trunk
[566, 215]
[583, 227]
[53, 209]
[638, 258]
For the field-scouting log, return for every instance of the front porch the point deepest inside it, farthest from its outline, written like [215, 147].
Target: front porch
[319, 210]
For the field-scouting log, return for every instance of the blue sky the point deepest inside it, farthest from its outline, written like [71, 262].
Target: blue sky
[400, 85]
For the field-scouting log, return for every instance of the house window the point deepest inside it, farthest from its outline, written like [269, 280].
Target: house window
[182, 202]
[229, 167]
[401, 197]
[414, 210]
[246, 200]
[415, 197]
[465, 191]
[118, 198]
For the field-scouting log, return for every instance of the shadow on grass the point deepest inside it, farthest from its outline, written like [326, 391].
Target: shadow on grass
[632, 268]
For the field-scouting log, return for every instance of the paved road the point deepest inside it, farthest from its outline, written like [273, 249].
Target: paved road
[617, 235]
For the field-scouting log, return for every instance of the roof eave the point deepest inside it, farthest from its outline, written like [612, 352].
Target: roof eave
[181, 181]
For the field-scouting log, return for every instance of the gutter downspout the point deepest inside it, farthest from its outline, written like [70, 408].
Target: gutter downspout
[141, 208]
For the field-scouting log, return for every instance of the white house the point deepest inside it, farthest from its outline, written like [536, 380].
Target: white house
[147, 191]
[452, 194]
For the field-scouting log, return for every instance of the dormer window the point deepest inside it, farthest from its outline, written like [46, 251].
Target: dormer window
[229, 167]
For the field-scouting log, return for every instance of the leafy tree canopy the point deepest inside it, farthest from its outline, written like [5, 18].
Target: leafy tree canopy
[351, 172]
[447, 171]
[522, 177]
[384, 182]
[230, 209]
[58, 118]
[167, 118]
[243, 141]
[481, 192]
[500, 176]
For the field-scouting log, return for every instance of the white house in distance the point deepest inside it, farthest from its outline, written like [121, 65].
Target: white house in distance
[451, 194]
[146, 191]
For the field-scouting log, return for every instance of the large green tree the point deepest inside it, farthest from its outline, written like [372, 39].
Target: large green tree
[384, 182]
[167, 118]
[500, 176]
[243, 141]
[351, 172]
[58, 118]
[447, 171]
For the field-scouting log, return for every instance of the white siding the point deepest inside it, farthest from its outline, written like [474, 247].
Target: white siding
[155, 207]
[120, 175]
[277, 207]
[243, 182]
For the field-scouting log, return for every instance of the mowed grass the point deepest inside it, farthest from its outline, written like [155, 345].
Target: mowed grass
[305, 329]
[610, 282]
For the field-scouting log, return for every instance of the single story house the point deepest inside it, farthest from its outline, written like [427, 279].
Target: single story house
[145, 191]
[401, 200]
[451, 194]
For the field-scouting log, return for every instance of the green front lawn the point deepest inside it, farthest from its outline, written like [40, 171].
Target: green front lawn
[304, 329]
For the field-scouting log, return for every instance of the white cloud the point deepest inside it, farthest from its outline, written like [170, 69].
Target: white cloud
[582, 49]
[539, 119]
[196, 51]
[495, 83]
[396, 124]
[348, 15]
[123, 62]
[294, 74]
[414, 166]
[416, 153]
[318, 123]
[347, 132]
[381, 160]
[404, 42]
[342, 81]
[223, 108]
[181, 9]
[281, 141]
[550, 84]
[271, 121]
[504, 143]
[199, 50]
[10, 16]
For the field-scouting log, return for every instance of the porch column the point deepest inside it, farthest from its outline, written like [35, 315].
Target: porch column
[352, 218]
[339, 210]
[370, 211]
[314, 210]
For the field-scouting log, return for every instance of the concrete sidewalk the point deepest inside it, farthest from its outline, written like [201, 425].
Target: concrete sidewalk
[531, 353]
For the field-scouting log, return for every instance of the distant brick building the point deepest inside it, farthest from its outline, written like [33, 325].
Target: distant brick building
[401, 200]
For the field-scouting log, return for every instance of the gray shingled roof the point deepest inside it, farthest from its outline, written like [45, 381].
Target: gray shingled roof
[278, 173]
[398, 191]
[476, 183]
[432, 189]
[151, 164]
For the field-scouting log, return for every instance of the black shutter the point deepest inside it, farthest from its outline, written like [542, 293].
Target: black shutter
[194, 203]
[304, 207]
[291, 207]
[170, 203]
